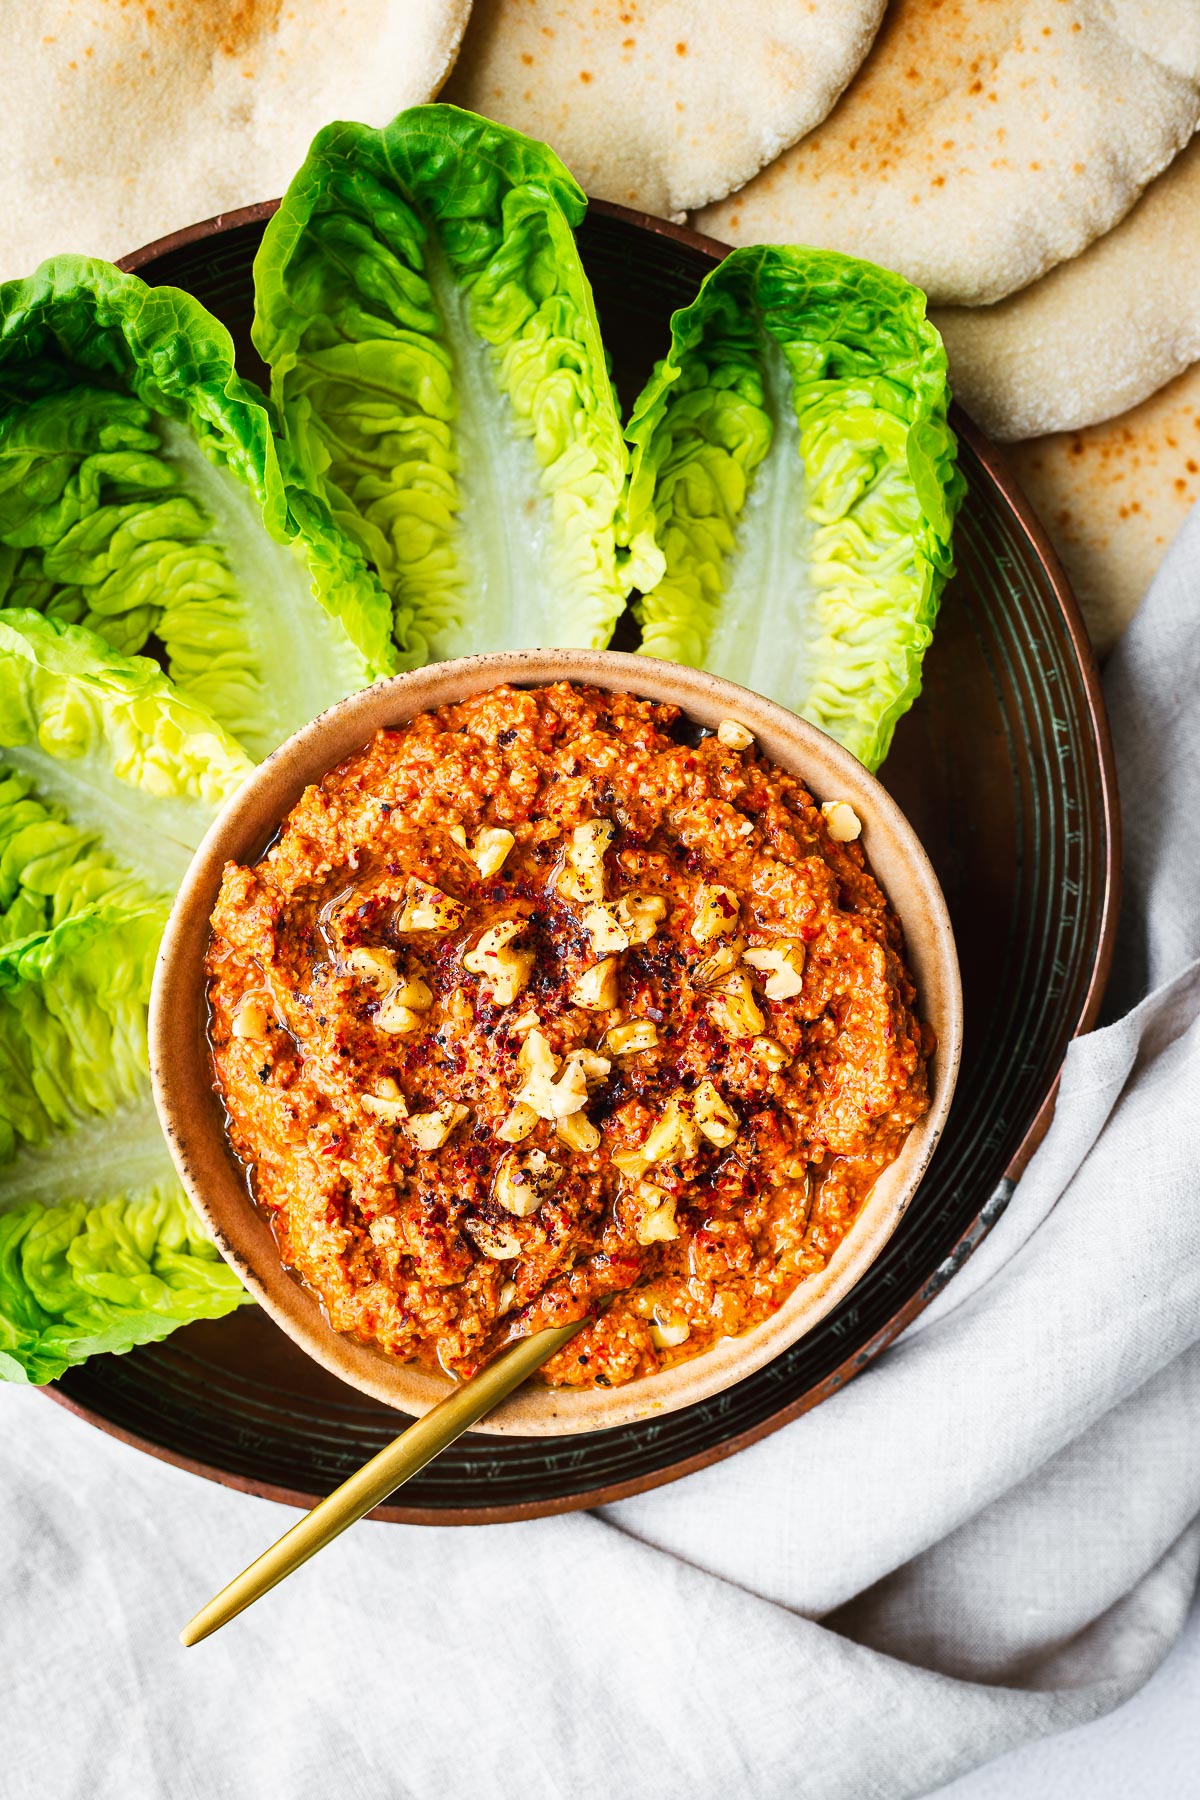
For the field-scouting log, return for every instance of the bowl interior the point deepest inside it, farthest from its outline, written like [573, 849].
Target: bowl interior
[192, 1114]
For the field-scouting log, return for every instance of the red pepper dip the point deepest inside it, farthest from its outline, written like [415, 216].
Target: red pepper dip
[547, 998]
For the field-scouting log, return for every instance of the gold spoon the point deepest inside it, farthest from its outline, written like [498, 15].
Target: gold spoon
[387, 1471]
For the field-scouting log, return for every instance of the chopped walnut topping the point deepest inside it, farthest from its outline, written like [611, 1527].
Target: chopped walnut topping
[717, 913]
[675, 1138]
[733, 1008]
[506, 971]
[430, 1130]
[518, 1125]
[387, 1102]
[722, 962]
[766, 1050]
[427, 908]
[397, 1019]
[495, 1242]
[376, 967]
[715, 1117]
[491, 849]
[843, 822]
[595, 1067]
[402, 1009]
[655, 1214]
[596, 988]
[667, 1335]
[640, 916]
[627, 1040]
[583, 877]
[523, 1182]
[733, 735]
[252, 1017]
[578, 1133]
[552, 1090]
[784, 968]
[605, 930]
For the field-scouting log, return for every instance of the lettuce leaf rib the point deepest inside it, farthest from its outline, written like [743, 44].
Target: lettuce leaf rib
[437, 361]
[793, 454]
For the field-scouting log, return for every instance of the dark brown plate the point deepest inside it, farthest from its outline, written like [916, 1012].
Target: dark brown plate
[1005, 769]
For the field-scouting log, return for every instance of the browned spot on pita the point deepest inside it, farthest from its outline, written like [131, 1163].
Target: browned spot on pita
[1113, 497]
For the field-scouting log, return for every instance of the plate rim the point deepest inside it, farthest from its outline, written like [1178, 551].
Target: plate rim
[993, 460]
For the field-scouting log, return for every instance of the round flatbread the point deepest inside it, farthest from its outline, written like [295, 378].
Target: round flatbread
[1112, 498]
[982, 143]
[1097, 335]
[662, 104]
[127, 122]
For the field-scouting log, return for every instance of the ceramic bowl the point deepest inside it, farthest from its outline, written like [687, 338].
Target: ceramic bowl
[191, 1111]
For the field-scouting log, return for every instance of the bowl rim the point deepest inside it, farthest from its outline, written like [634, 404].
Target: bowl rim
[189, 1107]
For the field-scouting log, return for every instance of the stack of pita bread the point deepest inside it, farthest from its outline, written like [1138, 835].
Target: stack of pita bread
[1024, 161]
[1018, 159]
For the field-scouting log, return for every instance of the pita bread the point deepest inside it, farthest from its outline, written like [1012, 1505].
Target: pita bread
[122, 123]
[981, 144]
[662, 104]
[1095, 336]
[1112, 498]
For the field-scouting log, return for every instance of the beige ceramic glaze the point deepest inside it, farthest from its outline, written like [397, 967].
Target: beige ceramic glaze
[191, 1112]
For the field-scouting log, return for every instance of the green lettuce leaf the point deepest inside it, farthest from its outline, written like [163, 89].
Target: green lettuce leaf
[142, 494]
[793, 455]
[436, 359]
[109, 776]
[99, 1246]
[110, 748]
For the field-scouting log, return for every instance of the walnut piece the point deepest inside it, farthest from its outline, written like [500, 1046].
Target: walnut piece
[523, 1182]
[734, 1010]
[733, 735]
[784, 968]
[583, 877]
[426, 908]
[387, 1102]
[627, 1040]
[430, 1130]
[596, 988]
[505, 970]
[717, 912]
[252, 1017]
[843, 822]
[714, 1116]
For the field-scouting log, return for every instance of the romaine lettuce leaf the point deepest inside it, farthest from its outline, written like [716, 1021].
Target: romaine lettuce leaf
[75, 1281]
[141, 494]
[111, 745]
[73, 1022]
[436, 359]
[99, 1248]
[108, 778]
[793, 453]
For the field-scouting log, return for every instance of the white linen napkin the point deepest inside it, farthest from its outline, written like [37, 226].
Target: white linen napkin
[992, 1535]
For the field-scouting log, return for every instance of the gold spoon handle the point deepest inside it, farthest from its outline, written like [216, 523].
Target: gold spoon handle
[372, 1484]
